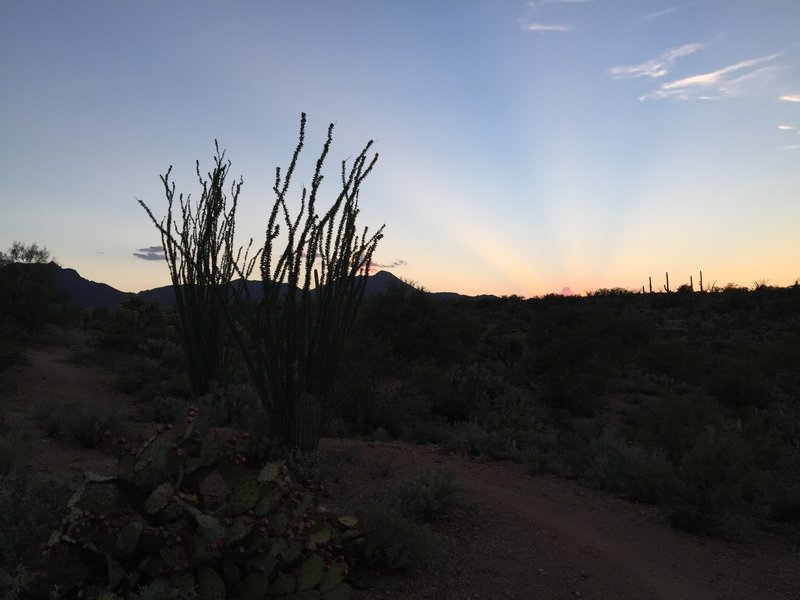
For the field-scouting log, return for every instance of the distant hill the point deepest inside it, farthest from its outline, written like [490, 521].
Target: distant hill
[377, 284]
[67, 283]
[83, 293]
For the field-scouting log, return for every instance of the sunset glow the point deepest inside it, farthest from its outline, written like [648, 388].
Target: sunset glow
[525, 147]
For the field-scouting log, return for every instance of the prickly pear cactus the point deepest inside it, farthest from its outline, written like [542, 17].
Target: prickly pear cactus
[156, 525]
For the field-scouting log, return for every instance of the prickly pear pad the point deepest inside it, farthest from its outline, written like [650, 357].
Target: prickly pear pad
[155, 527]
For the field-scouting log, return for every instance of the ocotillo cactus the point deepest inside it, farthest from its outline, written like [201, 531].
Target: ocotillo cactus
[306, 421]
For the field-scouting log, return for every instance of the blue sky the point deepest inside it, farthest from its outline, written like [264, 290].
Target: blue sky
[524, 147]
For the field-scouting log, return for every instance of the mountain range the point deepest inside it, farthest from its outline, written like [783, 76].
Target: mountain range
[84, 293]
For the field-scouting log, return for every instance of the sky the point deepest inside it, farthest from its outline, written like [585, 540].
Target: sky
[525, 147]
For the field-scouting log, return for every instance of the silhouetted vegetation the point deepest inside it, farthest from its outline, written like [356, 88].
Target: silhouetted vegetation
[688, 400]
[312, 278]
[196, 243]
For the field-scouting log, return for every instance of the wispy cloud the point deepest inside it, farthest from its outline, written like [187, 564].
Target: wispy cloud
[547, 27]
[656, 15]
[790, 98]
[792, 147]
[150, 253]
[392, 265]
[738, 79]
[786, 128]
[656, 67]
[532, 23]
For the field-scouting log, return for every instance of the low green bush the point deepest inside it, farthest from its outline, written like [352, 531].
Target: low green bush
[708, 493]
[87, 424]
[428, 497]
[395, 541]
[468, 437]
[28, 507]
[630, 470]
[83, 425]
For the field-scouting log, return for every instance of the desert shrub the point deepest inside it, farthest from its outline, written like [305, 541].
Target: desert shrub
[673, 421]
[428, 497]
[161, 409]
[707, 495]
[130, 324]
[49, 412]
[133, 375]
[86, 424]
[13, 582]
[539, 461]
[576, 441]
[393, 540]
[673, 357]
[303, 465]
[230, 405]
[630, 470]
[470, 390]
[336, 428]
[574, 392]
[510, 411]
[395, 405]
[425, 432]
[412, 323]
[501, 445]
[467, 437]
[736, 383]
[540, 452]
[28, 507]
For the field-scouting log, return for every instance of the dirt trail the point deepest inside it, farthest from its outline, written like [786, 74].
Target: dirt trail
[530, 537]
[51, 377]
[543, 537]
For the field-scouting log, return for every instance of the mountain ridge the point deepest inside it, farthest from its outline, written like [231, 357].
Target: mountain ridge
[85, 293]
